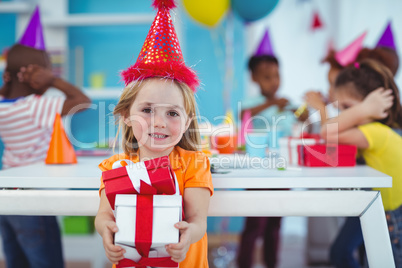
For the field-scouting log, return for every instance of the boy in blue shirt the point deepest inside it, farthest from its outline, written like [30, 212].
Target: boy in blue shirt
[269, 114]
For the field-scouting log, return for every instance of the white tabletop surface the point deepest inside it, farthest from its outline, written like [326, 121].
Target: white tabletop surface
[367, 205]
[86, 175]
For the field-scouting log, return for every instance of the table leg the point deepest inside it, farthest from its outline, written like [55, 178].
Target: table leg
[376, 235]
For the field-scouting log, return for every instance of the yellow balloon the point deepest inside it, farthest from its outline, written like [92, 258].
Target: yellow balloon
[207, 12]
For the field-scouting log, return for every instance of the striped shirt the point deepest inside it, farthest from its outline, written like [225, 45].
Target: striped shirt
[26, 126]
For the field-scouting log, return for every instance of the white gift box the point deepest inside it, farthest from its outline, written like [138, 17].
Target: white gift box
[167, 210]
[288, 148]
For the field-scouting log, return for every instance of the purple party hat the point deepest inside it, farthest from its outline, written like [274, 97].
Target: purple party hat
[265, 47]
[33, 36]
[387, 38]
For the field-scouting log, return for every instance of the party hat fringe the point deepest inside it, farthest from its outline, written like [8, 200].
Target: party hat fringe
[161, 55]
[163, 4]
[172, 70]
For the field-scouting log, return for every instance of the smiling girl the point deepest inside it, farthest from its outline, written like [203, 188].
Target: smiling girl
[158, 119]
[157, 112]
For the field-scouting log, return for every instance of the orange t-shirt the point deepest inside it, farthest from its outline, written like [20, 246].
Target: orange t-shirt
[192, 169]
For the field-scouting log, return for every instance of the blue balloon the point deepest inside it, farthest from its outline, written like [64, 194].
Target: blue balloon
[253, 10]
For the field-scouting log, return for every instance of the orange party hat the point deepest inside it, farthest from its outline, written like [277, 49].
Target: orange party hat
[60, 149]
[161, 54]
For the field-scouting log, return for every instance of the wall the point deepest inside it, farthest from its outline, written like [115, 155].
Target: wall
[110, 49]
[373, 16]
[301, 50]
[6, 40]
[113, 48]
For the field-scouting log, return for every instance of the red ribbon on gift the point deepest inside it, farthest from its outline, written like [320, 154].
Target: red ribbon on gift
[143, 228]
[144, 262]
[143, 237]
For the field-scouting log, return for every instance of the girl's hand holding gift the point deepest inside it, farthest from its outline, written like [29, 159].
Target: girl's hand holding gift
[378, 102]
[178, 251]
[113, 253]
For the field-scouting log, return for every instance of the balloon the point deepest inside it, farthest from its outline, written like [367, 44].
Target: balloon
[253, 10]
[206, 12]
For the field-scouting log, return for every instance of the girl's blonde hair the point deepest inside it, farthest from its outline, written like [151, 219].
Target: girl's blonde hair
[191, 138]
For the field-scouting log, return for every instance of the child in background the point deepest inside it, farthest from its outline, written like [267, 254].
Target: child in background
[384, 52]
[317, 101]
[370, 107]
[327, 109]
[157, 112]
[268, 109]
[268, 112]
[26, 125]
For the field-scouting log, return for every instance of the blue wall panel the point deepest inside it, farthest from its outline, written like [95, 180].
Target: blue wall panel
[107, 49]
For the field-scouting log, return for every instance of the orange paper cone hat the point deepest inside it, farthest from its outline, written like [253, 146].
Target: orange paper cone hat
[60, 149]
[161, 54]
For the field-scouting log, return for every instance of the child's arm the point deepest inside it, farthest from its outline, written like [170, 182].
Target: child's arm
[343, 129]
[196, 203]
[106, 226]
[316, 101]
[41, 79]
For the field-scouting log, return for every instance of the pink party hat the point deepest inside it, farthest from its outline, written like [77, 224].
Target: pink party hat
[246, 126]
[387, 38]
[265, 47]
[33, 36]
[349, 53]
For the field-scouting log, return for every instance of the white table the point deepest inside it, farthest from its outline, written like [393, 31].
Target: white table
[72, 190]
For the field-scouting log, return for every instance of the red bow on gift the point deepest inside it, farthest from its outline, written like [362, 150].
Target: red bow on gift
[145, 262]
[148, 177]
